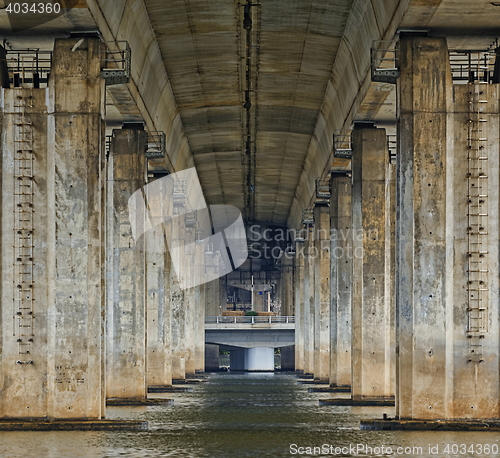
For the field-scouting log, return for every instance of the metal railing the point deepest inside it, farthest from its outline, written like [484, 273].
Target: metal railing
[392, 147]
[308, 216]
[323, 188]
[290, 249]
[250, 319]
[342, 145]
[385, 62]
[116, 64]
[472, 66]
[28, 68]
[156, 146]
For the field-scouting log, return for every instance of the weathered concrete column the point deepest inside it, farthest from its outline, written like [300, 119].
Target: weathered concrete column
[259, 359]
[212, 309]
[222, 294]
[200, 308]
[178, 329]
[299, 306]
[158, 264]
[126, 269]
[447, 240]
[288, 358]
[371, 331]
[51, 226]
[341, 281]
[322, 293]
[286, 287]
[390, 267]
[309, 302]
[159, 364]
[189, 298]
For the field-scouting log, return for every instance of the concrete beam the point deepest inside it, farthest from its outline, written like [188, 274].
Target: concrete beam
[251, 338]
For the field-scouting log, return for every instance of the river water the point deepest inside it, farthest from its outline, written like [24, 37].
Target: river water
[237, 415]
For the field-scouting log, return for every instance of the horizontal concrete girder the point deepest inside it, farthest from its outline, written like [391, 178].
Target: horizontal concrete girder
[251, 338]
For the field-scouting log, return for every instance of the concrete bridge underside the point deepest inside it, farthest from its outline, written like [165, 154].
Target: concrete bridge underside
[251, 95]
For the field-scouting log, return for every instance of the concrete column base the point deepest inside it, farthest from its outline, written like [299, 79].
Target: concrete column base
[329, 389]
[379, 402]
[115, 402]
[73, 425]
[430, 425]
[312, 382]
[169, 389]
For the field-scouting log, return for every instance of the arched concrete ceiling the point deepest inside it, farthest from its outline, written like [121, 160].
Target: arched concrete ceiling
[293, 48]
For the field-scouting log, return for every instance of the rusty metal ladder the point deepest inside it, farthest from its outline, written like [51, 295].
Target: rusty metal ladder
[23, 225]
[477, 177]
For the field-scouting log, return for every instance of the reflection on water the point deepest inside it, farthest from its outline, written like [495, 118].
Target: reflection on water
[240, 415]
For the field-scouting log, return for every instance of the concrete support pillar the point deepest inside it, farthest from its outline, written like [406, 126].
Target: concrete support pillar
[299, 306]
[199, 361]
[290, 287]
[341, 256]
[252, 359]
[447, 240]
[322, 293]
[211, 309]
[158, 264]
[288, 358]
[212, 288]
[211, 358]
[178, 329]
[212, 298]
[237, 359]
[189, 300]
[309, 302]
[390, 268]
[51, 227]
[126, 270]
[286, 286]
[259, 359]
[222, 295]
[371, 331]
